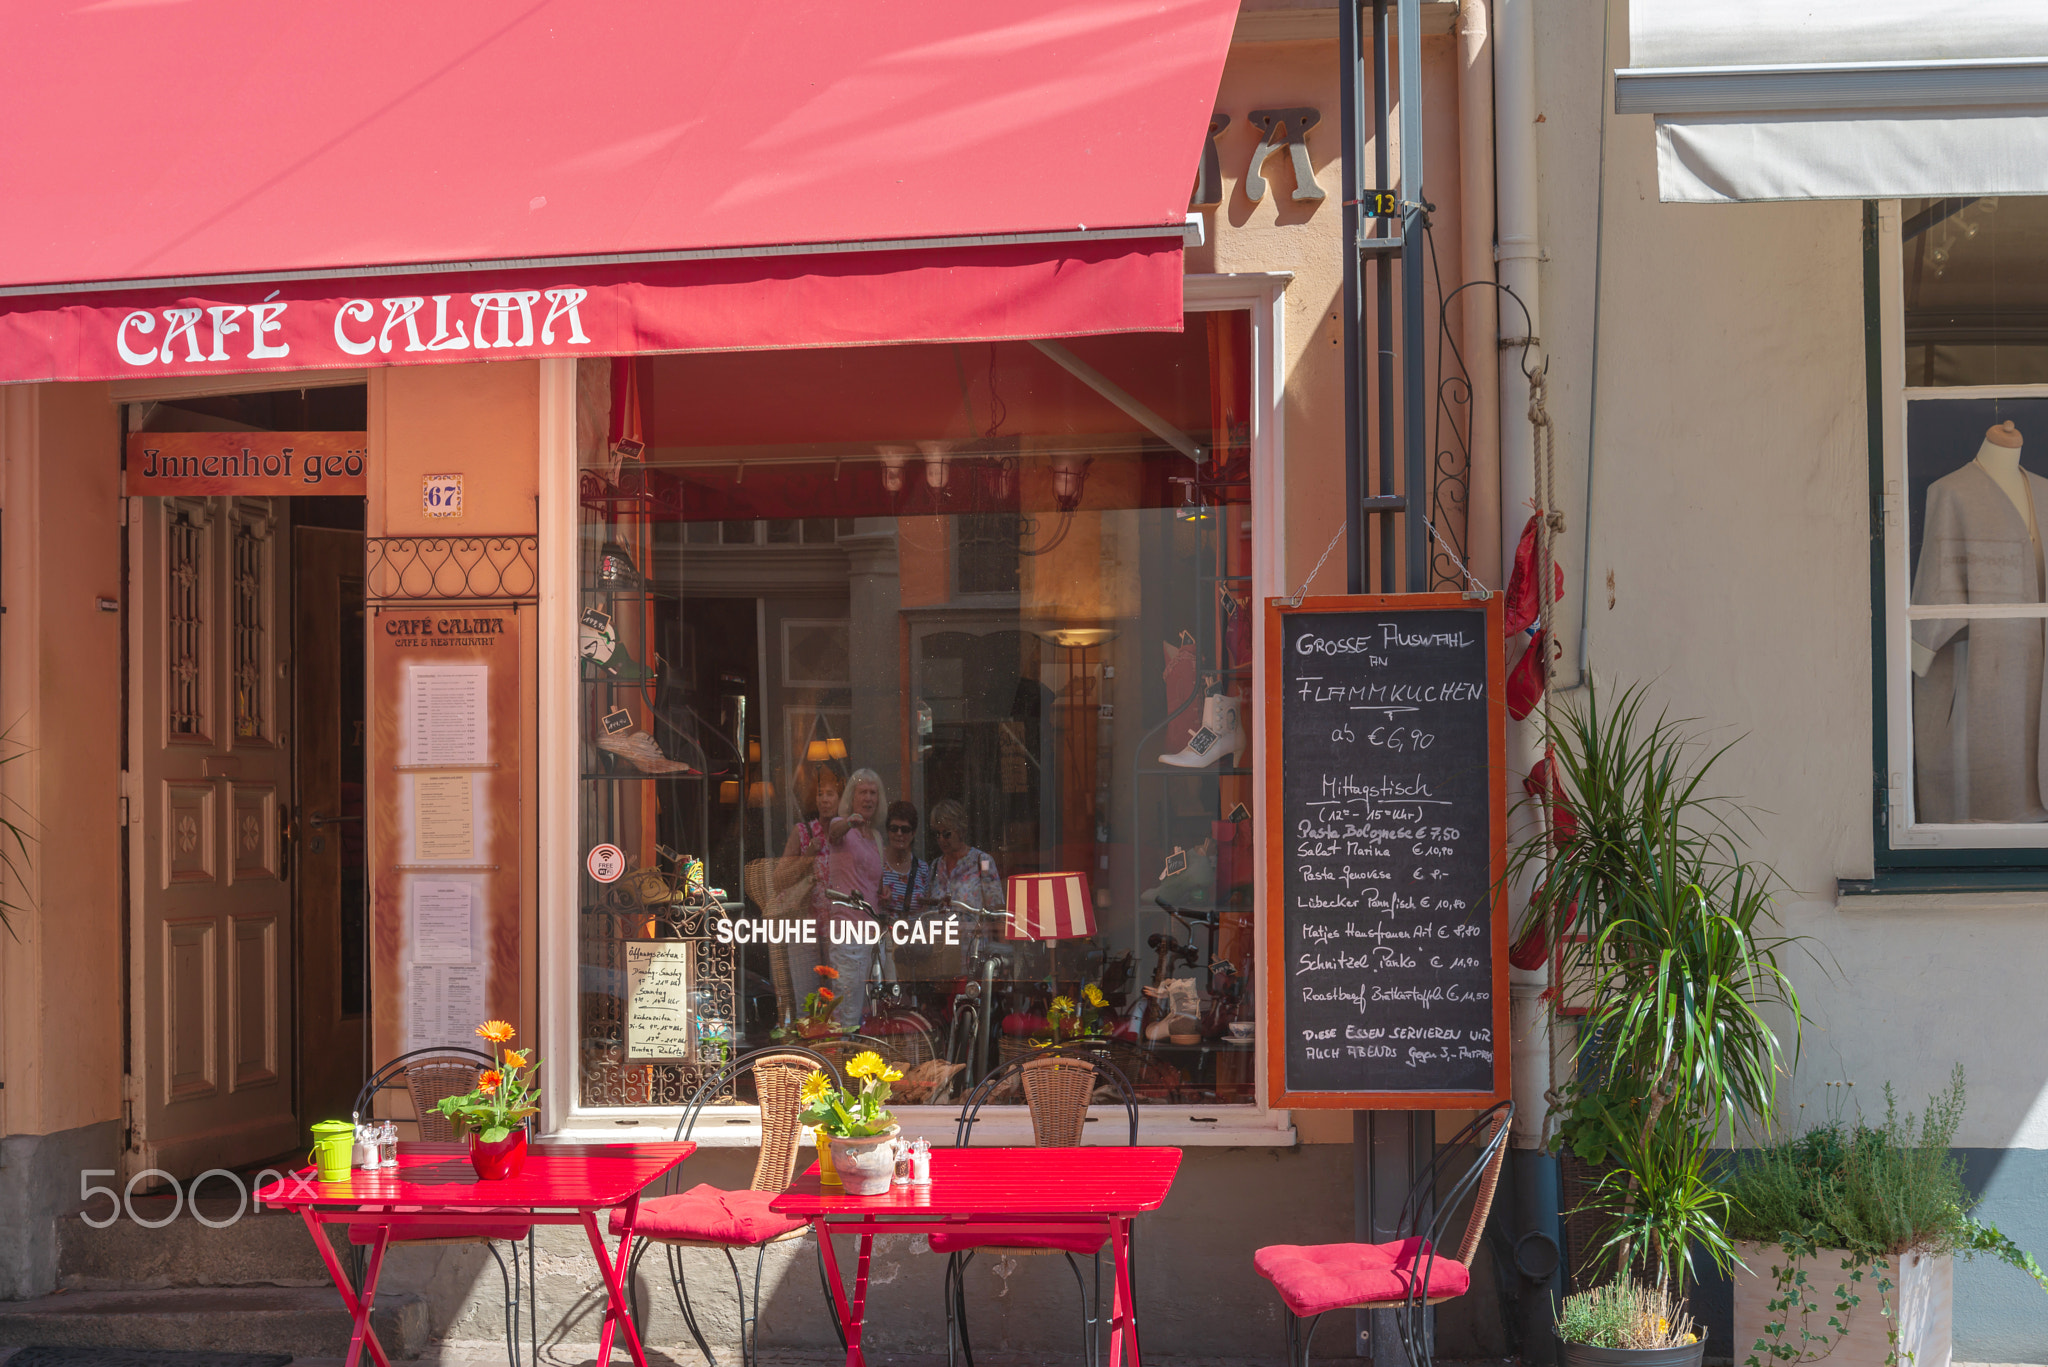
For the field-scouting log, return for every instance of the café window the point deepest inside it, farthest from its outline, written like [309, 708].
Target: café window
[915, 711]
[1965, 507]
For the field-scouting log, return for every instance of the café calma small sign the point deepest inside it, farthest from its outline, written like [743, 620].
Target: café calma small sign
[263, 464]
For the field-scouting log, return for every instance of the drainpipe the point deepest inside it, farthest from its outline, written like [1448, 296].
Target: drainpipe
[1538, 1230]
[1475, 165]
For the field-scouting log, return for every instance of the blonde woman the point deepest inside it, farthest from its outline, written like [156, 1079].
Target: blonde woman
[851, 862]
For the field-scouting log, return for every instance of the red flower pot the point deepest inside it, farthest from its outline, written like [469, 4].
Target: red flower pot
[502, 1159]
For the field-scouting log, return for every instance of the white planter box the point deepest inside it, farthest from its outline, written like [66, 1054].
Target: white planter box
[1923, 1301]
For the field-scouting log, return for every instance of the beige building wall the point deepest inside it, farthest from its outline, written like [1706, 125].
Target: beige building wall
[1730, 524]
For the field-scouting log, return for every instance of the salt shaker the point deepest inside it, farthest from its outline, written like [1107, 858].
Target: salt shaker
[921, 1164]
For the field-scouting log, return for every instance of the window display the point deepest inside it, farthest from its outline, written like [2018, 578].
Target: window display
[915, 687]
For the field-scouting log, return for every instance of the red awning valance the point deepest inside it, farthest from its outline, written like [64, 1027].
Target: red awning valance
[228, 185]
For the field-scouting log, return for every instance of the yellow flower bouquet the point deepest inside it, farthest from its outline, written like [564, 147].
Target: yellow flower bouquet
[855, 1129]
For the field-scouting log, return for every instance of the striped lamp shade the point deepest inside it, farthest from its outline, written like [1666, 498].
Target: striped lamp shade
[1050, 906]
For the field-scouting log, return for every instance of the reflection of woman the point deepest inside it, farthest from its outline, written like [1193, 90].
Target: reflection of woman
[961, 872]
[852, 864]
[802, 855]
[906, 879]
[807, 837]
[964, 880]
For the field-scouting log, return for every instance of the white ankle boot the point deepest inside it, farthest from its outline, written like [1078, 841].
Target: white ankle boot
[1222, 732]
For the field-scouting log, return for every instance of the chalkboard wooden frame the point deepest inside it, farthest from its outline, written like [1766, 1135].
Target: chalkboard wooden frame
[1273, 1007]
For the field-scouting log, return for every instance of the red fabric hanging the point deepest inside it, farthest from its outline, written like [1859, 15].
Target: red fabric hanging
[1526, 681]
[1522, 608]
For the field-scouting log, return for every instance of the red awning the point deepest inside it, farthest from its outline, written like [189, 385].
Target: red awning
[228, 185]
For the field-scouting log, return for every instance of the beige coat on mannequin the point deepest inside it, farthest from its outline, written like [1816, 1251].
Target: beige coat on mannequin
[1977, 725]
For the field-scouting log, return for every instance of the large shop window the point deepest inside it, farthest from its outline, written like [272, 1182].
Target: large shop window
[1965, 510]
[915, 703]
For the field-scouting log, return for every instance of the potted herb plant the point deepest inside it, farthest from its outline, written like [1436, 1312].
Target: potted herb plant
[1677, 963]
[1848, 1234]
[494, 1114]
[1628, 1324]
[855, 1125]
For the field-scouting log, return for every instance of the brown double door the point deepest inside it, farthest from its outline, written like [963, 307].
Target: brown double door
[245, 834]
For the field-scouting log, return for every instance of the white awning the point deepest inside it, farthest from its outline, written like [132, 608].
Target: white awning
[1841, 99]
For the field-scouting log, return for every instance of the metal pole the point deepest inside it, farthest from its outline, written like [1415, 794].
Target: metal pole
[1414, 412]
[1352, 98]
[1383, 290]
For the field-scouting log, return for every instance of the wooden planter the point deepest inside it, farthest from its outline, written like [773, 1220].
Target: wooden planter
[1922, 1301]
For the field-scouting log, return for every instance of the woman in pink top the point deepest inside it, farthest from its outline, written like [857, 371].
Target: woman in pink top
[851, 863]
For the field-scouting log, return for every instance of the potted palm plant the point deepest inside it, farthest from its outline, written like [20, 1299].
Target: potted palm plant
[1676, 957]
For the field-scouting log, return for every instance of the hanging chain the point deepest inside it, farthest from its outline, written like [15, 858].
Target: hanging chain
[1335, 537]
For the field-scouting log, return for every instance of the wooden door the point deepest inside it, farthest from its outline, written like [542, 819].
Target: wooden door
[209, 788]
[333, 966]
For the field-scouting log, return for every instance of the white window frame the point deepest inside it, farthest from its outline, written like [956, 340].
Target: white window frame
[1903, 830]
[1261, 294]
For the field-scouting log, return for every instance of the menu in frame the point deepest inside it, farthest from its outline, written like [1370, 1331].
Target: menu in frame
[1386, 843]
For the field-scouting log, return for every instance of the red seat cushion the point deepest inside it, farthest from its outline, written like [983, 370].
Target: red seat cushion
[710, 1215]
[453, 1227]
[1084, 1242]
[1313, 1278]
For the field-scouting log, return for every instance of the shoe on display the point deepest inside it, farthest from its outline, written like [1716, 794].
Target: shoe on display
[638, 749]
[615, 568]
[598, 642]
[1221, 732]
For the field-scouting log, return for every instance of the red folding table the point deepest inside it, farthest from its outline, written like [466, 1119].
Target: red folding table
[433, 1184]
[995, 1193]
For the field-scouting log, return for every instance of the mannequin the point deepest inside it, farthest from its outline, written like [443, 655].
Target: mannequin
[1978, 694]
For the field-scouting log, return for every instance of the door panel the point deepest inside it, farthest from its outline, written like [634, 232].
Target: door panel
[209, 762]
[332, 982]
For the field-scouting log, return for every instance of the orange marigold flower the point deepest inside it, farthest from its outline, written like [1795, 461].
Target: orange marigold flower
[497, 1032]
[489, 1080]
[825, 970]
[828, 994]
[515, 1058]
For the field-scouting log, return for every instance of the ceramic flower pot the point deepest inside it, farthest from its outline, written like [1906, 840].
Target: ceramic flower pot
[502, 1159]
[867, 1166]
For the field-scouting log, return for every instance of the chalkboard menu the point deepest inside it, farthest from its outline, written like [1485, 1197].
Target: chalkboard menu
[1385, 842]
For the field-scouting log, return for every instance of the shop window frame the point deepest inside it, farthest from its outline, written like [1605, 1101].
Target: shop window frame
[1912, 856]
[1262, 295]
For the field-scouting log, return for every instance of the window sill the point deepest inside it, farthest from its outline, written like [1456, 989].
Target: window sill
[733, 1129]
[1934, 882]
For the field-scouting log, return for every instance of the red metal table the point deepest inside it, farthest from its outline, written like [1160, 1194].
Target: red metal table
[561, 1184]
[997, 1193]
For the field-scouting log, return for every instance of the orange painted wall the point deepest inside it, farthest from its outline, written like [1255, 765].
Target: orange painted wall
[60, 981]
[479, 421]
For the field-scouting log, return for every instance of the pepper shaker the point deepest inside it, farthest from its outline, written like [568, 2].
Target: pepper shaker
[901, 1149]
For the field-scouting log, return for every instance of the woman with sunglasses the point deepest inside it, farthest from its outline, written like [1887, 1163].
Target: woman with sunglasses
[906, 879]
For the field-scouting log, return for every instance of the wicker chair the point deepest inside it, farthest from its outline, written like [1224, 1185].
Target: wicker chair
[711, 1217]
[1059, 1083]
[428, 1075]
[1406, 1276]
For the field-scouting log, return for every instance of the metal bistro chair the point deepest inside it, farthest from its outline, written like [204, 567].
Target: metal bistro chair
[712, 1217]
[1406, 1276]
[1059, 1084]
[428, 1075]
